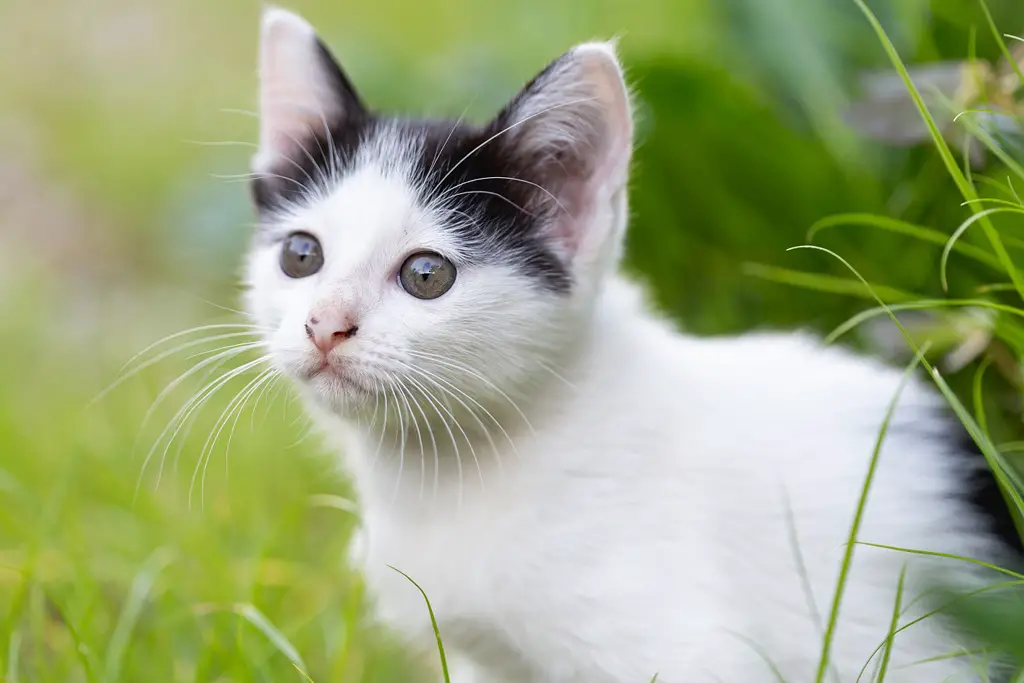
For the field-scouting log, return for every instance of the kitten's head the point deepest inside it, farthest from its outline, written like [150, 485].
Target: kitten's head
[439, 256]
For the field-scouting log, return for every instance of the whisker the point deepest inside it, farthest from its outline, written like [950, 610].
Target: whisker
[435, 380]
[438, 406]
[305, 434]
[236, 406]
[544, 366]
[419, 436]
[383, 429]
[493, 194]
[221, 356]
[228, 309]
[456, 366]
[437, 154]
[242, 112]
[182, 333]
[505, 130]
[236, 178]
[517, 180]
[190, 406]
[221, 143]
[181, 417]
[401, 448]
[229, 347]
[256, 405]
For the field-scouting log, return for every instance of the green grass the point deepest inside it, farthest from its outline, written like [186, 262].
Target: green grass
[993, 621]
[104, 577]
[231, 569]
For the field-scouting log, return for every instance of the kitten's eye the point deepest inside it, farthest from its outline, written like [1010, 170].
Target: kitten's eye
[301, 255]
[427, 275]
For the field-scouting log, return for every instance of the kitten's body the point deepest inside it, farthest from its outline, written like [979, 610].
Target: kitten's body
[586, 495]
[746, 458]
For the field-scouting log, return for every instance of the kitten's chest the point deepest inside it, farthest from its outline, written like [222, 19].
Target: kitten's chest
[460, 560]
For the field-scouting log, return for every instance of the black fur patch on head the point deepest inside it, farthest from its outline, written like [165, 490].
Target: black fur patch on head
[494, 198]
[492, 203]
[491, 191]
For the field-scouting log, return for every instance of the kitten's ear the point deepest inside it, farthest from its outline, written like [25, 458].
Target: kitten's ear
[572, 128]
[302, 88]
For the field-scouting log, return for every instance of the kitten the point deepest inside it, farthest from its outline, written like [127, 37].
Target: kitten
[585, 494]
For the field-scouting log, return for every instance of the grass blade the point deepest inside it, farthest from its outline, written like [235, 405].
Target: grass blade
[250, 613]
[947, 556]
[893, 625]
[844, 569]
[965, 187]
[433, 623]
[899, 227]
[13, 654]
[951, 603]
[999, 40]
[822, 283]
[137, 595]
[979, 214]
[1009, 480]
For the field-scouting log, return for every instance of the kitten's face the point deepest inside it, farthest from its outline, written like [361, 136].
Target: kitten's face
[400, 259]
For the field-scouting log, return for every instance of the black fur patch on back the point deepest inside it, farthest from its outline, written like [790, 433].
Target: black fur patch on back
[982, 491]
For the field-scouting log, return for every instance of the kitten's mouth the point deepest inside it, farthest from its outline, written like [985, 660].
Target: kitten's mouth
[324, 371]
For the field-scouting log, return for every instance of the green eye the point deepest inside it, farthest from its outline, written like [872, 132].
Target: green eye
[301, 255]
[427, 275]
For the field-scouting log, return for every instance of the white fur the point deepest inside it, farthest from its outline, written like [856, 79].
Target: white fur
[591, 496]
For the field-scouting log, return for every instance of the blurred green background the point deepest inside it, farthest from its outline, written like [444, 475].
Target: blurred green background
[118, 121]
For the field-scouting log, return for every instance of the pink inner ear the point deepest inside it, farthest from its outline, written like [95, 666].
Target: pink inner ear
[298, 84]
[292, 114]
[582, 193]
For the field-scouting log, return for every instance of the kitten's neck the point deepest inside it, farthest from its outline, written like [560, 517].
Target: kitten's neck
[460, 448]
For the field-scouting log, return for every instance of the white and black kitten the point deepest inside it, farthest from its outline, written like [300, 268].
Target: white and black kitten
[585, 494]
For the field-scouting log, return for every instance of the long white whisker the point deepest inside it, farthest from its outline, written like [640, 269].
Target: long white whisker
[517, 180]
[190, 406]
[384, 428]
[505, 130]
[437, 154]
[229, 347]
[451, 390]
[176, 335]
[228, 309]
[334, 157]
[221, 143]
[492, 194]
[473, 373]
[544, 366]
[271, 375]
[210, 439]
[240, 400]
[401, 448]
[307, 430]
[221, 356]
[438, 406]
[255, 406]
[419, 436]
[181, 417]
[237, 178]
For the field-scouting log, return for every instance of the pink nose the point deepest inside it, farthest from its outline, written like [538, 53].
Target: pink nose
[326, 332]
